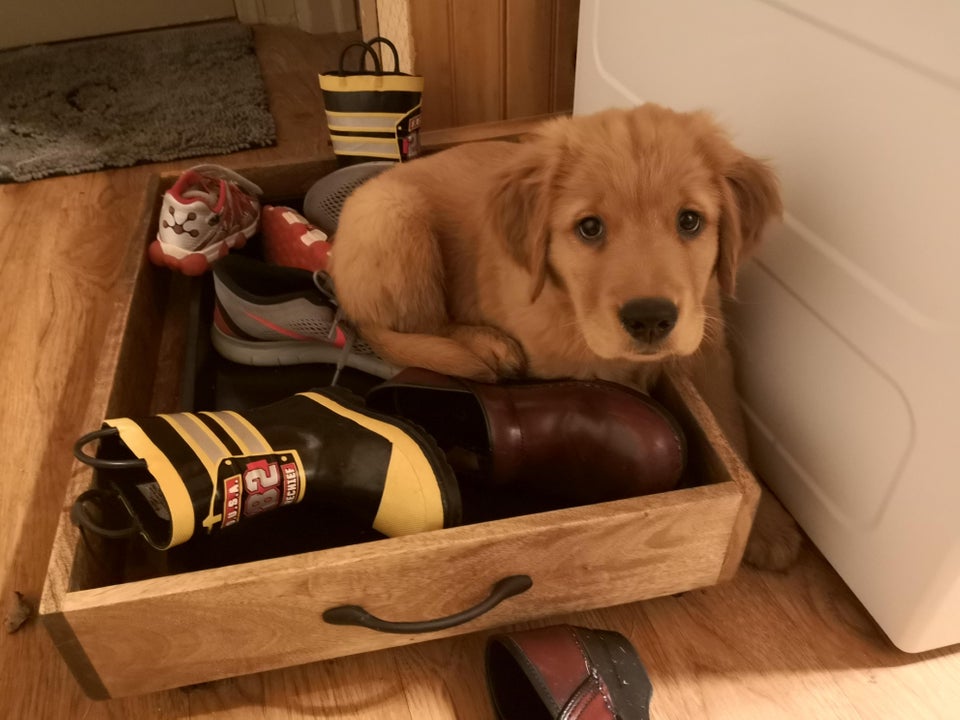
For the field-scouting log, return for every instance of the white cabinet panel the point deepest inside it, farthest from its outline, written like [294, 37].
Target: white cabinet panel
[849, 320]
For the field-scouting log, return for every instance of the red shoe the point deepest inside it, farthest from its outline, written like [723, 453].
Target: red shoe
[290, 240]
[208, 211]
[564, 671]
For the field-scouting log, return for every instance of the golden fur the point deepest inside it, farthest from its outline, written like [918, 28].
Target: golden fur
[468, 262]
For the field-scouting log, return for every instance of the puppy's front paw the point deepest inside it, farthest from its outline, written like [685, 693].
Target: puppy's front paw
[775, 540]
[500, 352]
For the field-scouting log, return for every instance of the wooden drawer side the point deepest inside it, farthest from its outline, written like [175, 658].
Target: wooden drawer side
[719, 461]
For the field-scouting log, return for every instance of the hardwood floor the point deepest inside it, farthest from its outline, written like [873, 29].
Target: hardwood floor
[764, 646]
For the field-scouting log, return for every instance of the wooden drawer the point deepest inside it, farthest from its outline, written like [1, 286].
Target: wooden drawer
[125, 625]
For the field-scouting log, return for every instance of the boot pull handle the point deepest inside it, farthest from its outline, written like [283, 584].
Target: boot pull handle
[356, 615]
[100, 463]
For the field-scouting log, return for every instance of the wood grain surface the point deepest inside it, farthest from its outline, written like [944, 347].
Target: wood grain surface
[764, 646]
[167, 631]
[483, 60]
[245, 618]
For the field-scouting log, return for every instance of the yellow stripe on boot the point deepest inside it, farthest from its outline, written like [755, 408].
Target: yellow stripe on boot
[412, 501]
[171, 484]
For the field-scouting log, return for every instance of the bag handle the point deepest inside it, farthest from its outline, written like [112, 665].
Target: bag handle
[367, 49]
[393, 49]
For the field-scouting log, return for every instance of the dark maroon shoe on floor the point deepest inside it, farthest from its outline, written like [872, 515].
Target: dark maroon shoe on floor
[566, 672]
[584, 441]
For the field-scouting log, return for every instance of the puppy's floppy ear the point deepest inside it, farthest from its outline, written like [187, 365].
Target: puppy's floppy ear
[520, 208]
[751, 197]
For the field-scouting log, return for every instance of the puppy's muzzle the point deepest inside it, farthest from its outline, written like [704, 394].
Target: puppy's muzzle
[649, 320]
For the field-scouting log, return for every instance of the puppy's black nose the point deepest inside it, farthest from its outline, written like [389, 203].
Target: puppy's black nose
[649, 319]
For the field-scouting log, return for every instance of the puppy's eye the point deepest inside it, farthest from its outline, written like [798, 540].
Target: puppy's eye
[689, 222]
[590, 229]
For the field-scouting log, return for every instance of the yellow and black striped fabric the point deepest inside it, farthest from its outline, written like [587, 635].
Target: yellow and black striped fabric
[212, 470]
[372, 115]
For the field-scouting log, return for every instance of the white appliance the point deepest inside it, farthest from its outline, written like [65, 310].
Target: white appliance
[851, 312]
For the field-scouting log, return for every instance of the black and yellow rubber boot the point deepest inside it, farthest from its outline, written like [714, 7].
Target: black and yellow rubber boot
[183, 473]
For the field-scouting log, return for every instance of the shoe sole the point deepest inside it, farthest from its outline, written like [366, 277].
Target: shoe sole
[197, 262]
[271, 353]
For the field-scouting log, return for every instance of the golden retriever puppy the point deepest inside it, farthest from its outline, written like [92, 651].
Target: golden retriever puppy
[598, 248]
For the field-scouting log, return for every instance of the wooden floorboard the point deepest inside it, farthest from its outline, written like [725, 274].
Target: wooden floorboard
[764, 646]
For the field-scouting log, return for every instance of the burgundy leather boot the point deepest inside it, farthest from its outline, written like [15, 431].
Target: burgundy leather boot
[584, 441]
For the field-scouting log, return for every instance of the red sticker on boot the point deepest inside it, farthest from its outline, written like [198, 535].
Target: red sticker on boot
[255, 484]
[231, 501]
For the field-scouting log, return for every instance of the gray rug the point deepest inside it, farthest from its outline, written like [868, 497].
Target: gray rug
[120, 100]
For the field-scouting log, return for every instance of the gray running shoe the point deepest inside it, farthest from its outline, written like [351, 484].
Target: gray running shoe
[269, 315]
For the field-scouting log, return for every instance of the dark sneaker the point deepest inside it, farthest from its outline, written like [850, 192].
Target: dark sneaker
[268, 315]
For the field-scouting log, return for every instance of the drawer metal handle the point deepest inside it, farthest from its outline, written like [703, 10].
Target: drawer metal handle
[356, 615]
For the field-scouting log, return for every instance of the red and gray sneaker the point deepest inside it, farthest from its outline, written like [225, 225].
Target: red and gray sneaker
[208, 211]
[270, 315]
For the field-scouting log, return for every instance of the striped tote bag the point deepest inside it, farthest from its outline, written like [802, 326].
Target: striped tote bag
[372, 115]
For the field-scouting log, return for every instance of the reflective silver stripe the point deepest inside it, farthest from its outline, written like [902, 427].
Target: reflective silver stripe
[207, 443]
[381, 147]
[365, 122]
[250, 441]
[209, 449]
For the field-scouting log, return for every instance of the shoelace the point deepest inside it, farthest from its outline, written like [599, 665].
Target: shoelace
[224, 173]
[349, 335]
[225, 182]
[324, 284]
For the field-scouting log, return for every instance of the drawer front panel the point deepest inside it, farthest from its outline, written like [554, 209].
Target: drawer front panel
[191, 628]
